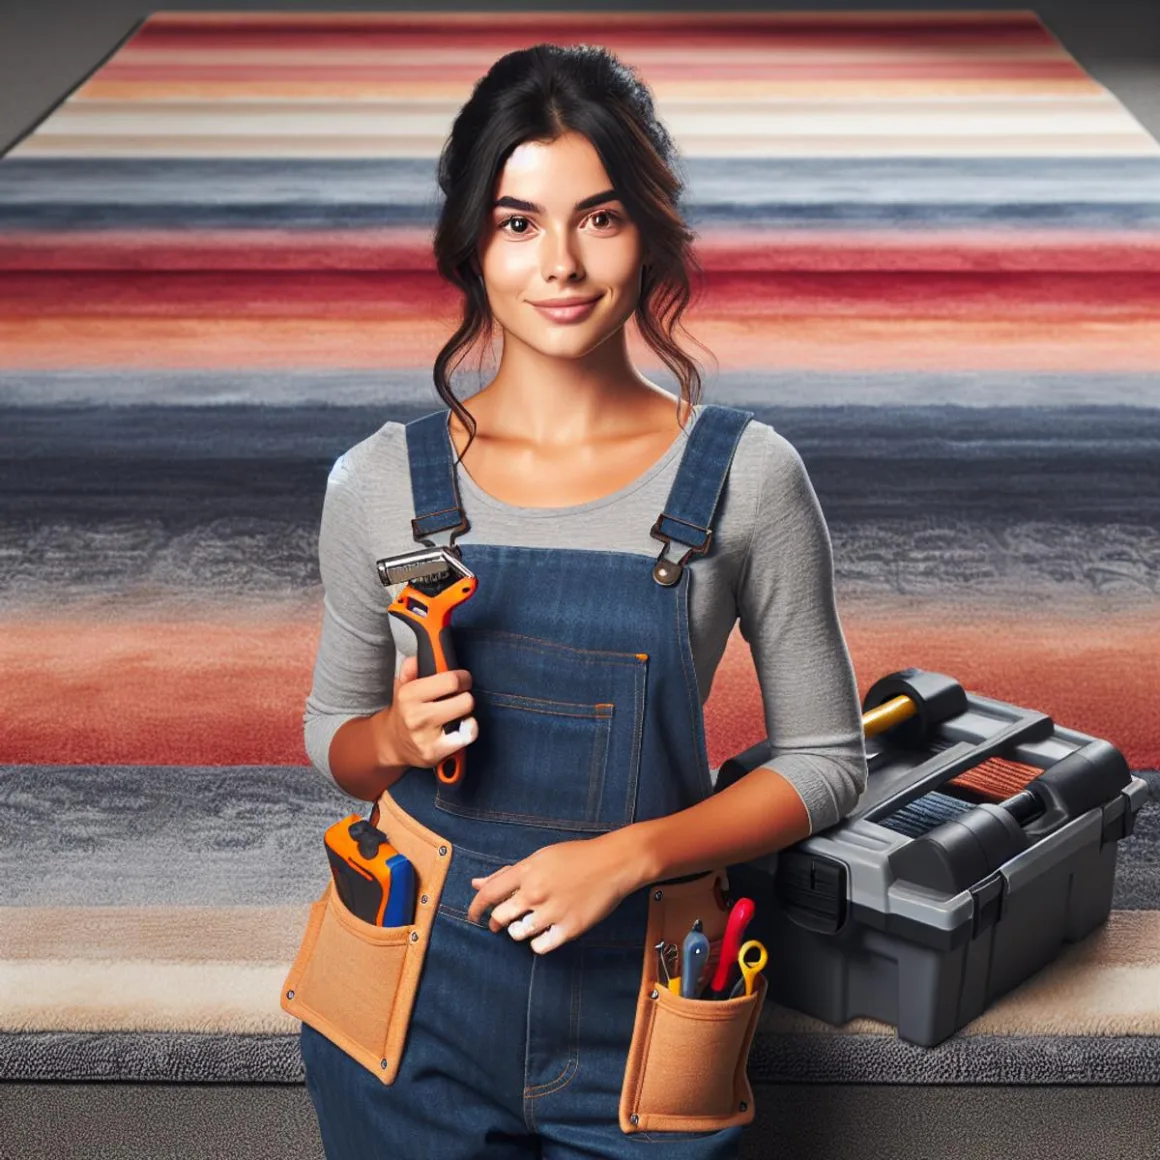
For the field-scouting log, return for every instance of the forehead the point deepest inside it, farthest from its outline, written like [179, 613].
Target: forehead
[542, 169]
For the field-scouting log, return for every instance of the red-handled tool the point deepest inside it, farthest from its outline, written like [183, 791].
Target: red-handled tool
[739, 918]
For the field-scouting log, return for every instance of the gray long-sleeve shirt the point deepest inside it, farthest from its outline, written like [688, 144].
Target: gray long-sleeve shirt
[770, 567]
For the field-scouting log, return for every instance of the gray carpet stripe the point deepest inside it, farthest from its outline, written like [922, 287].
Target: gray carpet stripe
[389, 388]
[916, 192]
[192, 836]
[188, 466]
[998, 1059]
[229, 564]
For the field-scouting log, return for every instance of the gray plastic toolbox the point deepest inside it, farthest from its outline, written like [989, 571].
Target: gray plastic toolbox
[927, 901]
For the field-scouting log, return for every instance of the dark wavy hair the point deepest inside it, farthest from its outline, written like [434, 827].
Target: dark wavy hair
[539, 94]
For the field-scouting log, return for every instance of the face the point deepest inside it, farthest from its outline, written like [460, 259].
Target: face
[554, 234]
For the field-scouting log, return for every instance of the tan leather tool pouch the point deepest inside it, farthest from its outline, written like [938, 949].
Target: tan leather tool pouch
[355, 982]
[686, 1067]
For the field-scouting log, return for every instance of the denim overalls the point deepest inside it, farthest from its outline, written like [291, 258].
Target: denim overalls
[589, 719]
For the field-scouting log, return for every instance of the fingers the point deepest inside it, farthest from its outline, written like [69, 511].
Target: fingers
[445, 683]
[448, 708]
[500, 891]
[545, 936]
[467, 732]
[549, 939]
[524, 926]
[496, 886]
[434, 686]
[421, 709]
[489, 877]
[509, 910]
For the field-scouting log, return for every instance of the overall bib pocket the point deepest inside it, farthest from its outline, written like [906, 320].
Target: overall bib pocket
[354, 982]
[536, 700]
[687, 1062]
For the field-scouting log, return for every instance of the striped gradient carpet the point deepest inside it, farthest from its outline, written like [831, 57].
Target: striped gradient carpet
[932, 245]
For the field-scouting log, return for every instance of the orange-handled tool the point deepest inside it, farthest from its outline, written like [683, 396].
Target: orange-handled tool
[435, 582]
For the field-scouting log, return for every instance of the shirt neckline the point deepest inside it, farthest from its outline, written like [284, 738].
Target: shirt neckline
[488, 500]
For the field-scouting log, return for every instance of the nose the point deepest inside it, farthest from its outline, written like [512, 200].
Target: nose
[561, 258]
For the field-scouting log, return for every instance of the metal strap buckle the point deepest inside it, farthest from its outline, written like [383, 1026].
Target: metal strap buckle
[666, 571]
[454, 529]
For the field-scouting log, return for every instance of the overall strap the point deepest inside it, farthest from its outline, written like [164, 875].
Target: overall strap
[692, 500]
[439, 518]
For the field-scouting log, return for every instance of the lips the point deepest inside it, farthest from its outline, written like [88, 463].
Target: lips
[572, 313]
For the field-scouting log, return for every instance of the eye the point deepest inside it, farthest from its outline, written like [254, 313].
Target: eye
[608, 214]
[598, 213]
[508, 221]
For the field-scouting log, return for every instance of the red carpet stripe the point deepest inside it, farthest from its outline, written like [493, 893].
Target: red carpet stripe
[231, 690]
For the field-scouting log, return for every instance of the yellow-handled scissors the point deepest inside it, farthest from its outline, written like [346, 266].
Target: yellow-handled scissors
[749, 970]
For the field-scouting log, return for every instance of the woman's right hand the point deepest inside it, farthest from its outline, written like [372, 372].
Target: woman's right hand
[409, 731]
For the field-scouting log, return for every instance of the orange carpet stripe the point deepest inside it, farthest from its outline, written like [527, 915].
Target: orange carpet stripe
[1080, 344]
[232, 691]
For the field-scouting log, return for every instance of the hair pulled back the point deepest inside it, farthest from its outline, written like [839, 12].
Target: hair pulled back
[539, 94]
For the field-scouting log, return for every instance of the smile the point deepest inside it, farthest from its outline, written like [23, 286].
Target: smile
[568, 313]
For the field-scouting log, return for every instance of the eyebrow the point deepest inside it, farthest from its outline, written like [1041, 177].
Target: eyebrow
[531, 207]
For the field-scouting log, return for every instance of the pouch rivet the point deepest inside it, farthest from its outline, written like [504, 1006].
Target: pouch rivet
[744, 1105]
[654, 993]
[414, 936]
[423, 900]
[383, 1064]
[289, 994]
[634, 1118]
[442, 851]
[659, 895]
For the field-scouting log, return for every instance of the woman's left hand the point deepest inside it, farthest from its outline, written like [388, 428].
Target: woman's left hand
[568, 887]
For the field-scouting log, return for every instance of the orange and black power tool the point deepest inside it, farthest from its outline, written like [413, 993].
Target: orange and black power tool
[436, 583]
[374, 881]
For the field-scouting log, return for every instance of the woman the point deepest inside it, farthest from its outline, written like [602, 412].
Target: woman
[586, 499]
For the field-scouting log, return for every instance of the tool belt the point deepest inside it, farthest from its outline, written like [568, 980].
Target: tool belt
[687, 1062]
[355, 982]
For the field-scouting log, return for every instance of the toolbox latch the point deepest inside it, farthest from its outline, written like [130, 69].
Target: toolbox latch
[987, 896]
[1117, 826]
[811, 890]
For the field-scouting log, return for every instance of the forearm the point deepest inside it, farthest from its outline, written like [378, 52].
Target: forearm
[758, 814]
[359, 758]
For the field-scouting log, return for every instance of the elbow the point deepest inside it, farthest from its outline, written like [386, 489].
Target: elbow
[318, 729]
[831, 784]
[849, 784]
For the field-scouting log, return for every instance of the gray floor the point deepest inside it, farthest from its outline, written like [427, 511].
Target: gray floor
[798, 1122]
[48, 47]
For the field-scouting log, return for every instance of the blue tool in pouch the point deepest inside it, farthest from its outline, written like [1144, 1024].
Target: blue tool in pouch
[372, 879]
[694, 956]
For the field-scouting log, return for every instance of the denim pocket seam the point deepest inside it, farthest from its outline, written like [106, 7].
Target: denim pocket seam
[586, 655]
[551, 709]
